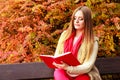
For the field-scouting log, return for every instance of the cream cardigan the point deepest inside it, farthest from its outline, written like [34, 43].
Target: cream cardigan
[86, 67]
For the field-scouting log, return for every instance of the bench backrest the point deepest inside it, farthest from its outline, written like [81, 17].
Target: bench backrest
[37, 70]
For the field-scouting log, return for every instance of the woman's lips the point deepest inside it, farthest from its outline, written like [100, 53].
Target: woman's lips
[77, 25]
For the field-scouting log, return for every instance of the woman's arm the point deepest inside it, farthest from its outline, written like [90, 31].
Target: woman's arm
[87, 66]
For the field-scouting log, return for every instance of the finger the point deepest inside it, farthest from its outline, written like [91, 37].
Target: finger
[54, 63]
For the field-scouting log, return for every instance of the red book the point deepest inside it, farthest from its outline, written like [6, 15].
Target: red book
[68, 58]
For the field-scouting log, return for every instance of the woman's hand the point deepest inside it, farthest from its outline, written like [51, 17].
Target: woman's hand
[61, 66]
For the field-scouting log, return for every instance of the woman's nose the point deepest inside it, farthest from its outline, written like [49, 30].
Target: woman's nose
[77, 20]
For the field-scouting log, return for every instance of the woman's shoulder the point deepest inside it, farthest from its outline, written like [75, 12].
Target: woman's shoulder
[96, 38]
[64, 32]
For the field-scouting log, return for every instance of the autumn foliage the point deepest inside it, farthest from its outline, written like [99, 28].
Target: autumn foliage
[106, 19]
[29, 28]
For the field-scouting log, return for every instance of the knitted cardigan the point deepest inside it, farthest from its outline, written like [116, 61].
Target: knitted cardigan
[86, 67]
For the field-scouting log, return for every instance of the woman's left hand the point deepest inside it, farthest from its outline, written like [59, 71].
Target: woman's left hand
[61, 66]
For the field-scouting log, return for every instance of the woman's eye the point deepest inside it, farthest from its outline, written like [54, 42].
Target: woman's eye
[78, 19]
[74, 18]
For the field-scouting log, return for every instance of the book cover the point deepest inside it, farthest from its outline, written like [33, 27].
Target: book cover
[68, 58]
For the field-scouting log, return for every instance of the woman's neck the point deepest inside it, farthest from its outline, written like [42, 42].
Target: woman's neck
[79, 32]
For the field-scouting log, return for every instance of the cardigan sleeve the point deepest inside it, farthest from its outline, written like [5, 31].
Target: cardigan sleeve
[86, 66]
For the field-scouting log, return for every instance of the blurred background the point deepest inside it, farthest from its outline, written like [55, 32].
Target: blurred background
[29, 28]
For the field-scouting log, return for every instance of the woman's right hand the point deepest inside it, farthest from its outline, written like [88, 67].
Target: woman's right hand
[61, 66]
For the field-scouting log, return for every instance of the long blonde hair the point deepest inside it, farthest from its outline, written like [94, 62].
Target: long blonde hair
[86, 47]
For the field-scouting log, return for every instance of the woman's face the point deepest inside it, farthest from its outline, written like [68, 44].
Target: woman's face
[79, 20]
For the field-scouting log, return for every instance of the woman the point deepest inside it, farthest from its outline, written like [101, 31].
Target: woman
[79, 40]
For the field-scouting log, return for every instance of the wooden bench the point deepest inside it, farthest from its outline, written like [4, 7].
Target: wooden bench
[37, 70]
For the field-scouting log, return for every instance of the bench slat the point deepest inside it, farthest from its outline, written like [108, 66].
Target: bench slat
[25, 71]
[108, 65]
